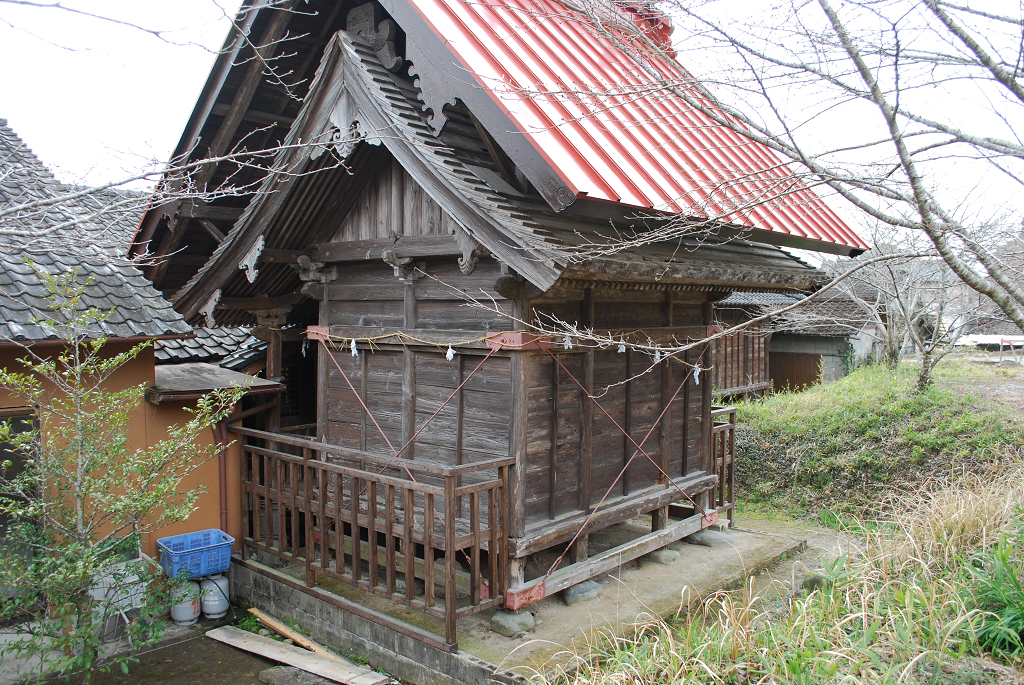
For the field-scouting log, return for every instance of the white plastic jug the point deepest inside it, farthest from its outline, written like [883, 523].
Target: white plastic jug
[185, 604]
[215, 593]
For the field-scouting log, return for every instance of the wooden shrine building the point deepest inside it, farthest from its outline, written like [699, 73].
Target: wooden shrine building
[421, 220]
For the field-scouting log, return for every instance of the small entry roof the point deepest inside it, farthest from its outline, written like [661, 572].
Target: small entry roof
[179, 382]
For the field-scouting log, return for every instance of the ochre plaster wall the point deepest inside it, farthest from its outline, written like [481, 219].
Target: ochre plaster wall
[147, 425]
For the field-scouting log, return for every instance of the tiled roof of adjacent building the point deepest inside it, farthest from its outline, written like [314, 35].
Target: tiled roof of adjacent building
[86, 233]
[229, 347]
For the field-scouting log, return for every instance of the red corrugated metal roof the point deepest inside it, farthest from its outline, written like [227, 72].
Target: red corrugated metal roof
[643, 149]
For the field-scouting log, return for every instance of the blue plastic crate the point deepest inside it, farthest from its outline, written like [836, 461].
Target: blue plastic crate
[202, 553]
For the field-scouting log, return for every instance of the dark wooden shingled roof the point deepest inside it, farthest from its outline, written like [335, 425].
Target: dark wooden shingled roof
[518, 229]
[87, 239]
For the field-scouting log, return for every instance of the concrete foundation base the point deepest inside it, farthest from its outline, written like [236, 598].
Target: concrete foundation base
[633, 590]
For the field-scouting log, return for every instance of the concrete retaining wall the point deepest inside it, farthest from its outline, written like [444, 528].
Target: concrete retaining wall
[399, 655]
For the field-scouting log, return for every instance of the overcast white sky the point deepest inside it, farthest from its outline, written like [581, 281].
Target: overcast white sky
[95, 100]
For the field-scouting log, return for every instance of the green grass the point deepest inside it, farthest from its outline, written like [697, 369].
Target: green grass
[840, 445]
[918, 603]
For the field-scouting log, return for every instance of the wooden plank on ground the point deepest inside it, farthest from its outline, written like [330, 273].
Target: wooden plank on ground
[332, 669]
[298, 638]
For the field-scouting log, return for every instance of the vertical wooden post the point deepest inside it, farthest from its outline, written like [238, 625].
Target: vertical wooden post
[627, 423]
[553, 454]
[363, 363]
[709, 362]
[323, 373]
[516, 573]
[520, 371]
[586, 433]
[270, 322]
[428, 549]
[307, 479]
[450, 587]
[580, 549]
[371, 533]
[357, 542]
[460, 411]
[586, 412]
[659, 517]
[248, 496]
[408, 401]
[410, 303]
[408, 547]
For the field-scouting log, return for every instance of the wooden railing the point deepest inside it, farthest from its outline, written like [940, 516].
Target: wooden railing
[741, 364]
[723, 451]
[420, 533]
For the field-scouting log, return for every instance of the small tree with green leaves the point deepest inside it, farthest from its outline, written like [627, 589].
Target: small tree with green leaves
[81, 499]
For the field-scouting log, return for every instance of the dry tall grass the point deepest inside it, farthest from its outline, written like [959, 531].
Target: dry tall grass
[900, 612]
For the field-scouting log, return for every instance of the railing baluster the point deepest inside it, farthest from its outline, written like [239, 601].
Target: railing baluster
[281, 537]
[493, 561]
[450, 587]
[325, 541]
[257, 523]
[307, 479]
[371, 519]
[337, 488]
[428, 549]
[293, 481]
[389, 549]
[246, 499]
[501, 512]
[474, 554]
[357, 552]
[408, 548]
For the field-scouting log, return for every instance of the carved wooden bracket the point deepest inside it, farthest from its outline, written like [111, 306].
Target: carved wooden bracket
[472, 250]
[380, 36]
[207, 309]
[172, 212]
[314, 272]
[405, 267]
[248, 262]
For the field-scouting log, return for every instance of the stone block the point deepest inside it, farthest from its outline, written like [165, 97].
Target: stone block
[512, 623]
[581, 592]
[664, 556]
[711, 538]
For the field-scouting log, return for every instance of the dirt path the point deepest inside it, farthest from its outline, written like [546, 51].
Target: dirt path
[999, 384]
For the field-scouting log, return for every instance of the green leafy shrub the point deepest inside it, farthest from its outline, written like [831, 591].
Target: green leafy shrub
[996, 588]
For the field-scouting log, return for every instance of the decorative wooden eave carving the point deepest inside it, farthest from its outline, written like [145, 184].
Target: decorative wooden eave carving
[472, 250]
[363, 21]
[248, 262]
[435, 90]
[207, 309]
[442, 79]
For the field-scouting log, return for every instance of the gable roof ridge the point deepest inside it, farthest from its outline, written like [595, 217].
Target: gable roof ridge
[468, 184]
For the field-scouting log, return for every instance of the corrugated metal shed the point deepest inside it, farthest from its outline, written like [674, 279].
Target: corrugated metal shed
[611, 132]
